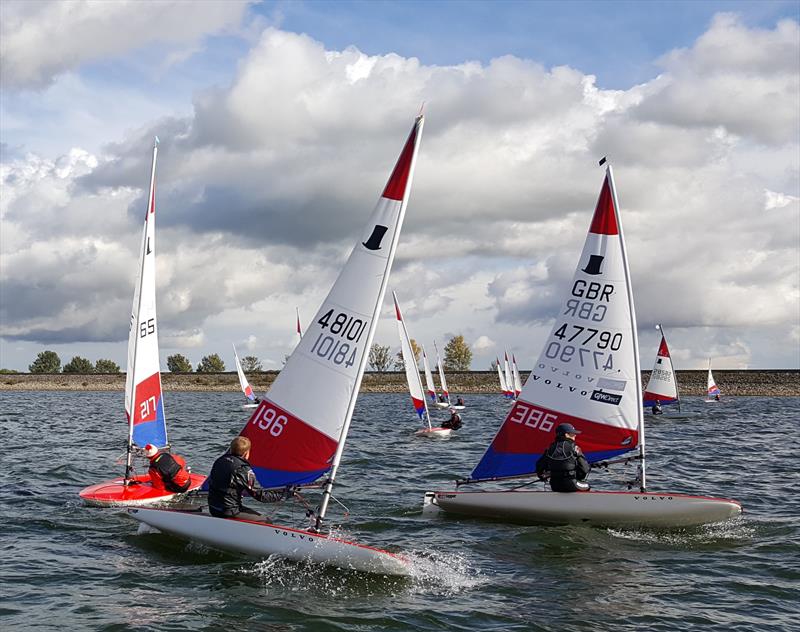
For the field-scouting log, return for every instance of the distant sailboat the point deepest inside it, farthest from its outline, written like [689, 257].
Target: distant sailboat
[444, 401]
[299, 430]
[515, 375]
[414, 381]
[593, 349]
[144, 401]
[662, 387]
[713, 394]
[246, 388]
[509, 377]
[299, 329]
[503, 386]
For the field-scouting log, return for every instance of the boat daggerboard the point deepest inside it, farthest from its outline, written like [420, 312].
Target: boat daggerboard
[588, 371]
[144, 402]
[509, 377]
[503, 386]
[298, 430]
[662, 385]
[517, 378]
[442, 379]
[429, 387]
[410, 364]
[246, 388]
[712, 389]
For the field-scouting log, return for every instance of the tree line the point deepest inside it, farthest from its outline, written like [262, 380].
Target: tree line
[457, 357]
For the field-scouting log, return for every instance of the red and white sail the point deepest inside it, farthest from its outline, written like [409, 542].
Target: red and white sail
[430, 389]
[410, 364]
[662, 387]
[299, 329]
[144, 403]
[509, 376]
[299, 429]
[588, 371]
[517, 378]
[712, 390]
[246, 388]
[442, 379]
[502, 378]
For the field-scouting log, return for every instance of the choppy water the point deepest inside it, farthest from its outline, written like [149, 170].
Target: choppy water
[72, 567]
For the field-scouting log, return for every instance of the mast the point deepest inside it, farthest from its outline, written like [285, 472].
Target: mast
[135, 318]
[672, 366]
[634, 332]
[337, 457]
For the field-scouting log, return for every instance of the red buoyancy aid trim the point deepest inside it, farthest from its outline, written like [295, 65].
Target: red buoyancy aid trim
[171, 476]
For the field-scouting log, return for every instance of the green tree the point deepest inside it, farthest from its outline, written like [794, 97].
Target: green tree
[457, 355]
[46, 362]
[179, 364]
[106, 366]
[79, 365]
[8, 372]
[211, 364]
[251, 363]
[380, 358]
[399, 365]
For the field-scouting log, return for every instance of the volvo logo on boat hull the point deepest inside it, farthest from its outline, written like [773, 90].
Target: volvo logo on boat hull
[606, 398]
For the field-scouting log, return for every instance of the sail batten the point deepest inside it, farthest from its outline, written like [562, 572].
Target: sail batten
[587, 373]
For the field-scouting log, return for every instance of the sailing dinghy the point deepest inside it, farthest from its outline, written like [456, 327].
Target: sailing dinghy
[713, 393]
[503, 386]
[442, 381]
[517, 380]
[509, 377]
[429, 387]
[662, 386]
[414, 381]
[246, 388]
[587, 375]
[144, 402]
[297, 437]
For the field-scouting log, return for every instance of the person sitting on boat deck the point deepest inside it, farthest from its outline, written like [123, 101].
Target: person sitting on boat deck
[564, 462]
[231, 476]
[167, 471]
[716, 397]
[460, 401]
[441, 398]
[256, 400]
[454, 422]
[656, 409]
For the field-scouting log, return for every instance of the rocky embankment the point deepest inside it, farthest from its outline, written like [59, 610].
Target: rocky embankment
[778, 383]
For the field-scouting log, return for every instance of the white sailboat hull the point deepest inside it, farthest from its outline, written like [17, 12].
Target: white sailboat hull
[441, 405]
[435, 433]
[263, 539]
[597, 508]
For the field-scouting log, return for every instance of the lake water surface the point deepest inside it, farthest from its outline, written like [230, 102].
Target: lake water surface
[72, 567]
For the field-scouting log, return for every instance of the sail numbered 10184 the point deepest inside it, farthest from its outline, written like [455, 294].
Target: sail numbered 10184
[339, 342]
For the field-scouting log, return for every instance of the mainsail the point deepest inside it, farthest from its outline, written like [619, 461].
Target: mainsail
[299, 329]
[509, 377]
[712, 390]
[299, 429]
[410, 364]
[429, 387]
[662, 385]
[588, 372]
[502, 378]
[515, 375]
[246, 388]
[144, 403]
[442, 379]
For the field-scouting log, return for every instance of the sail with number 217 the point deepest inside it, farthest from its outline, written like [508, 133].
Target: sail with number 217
[587, 373]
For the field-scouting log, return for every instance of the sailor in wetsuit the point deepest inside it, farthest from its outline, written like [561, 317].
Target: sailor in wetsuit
[656, 408]
[454, 422]
[231, 476]
[564, 462]
[167, 471]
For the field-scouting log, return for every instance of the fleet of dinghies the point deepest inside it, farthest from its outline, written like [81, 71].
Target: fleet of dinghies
[587, 375]
[298, 439]
[144, 398]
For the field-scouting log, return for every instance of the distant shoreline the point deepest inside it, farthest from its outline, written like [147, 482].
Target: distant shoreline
[766, 383]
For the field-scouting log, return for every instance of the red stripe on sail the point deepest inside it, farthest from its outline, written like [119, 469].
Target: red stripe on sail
[281, 441]
[604, 221]
[529, 429]
[662, 348]
[396, 186]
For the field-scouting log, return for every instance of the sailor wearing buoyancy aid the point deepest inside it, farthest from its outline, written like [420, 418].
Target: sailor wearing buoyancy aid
[564, 462]
[167, 471]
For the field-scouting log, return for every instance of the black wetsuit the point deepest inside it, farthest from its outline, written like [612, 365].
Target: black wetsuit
[230, 477]
[454, 422]
[566, 464]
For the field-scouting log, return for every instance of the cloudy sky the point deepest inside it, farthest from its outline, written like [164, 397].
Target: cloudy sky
[280, 122]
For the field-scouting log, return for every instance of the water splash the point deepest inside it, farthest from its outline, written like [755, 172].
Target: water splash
[733, 531]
